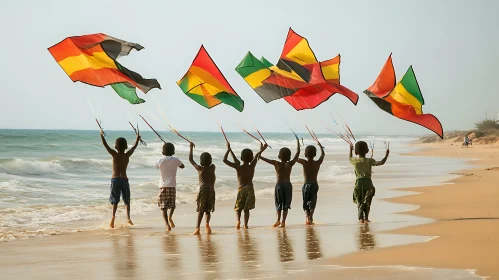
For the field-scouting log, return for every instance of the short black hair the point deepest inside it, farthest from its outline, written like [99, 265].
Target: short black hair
[121, 144]
[310, 151]
[247, 155]
[205, 159]
[285, 154]
[168, 149]
[361, 148]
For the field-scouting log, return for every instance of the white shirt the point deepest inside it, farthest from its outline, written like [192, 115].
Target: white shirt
[168, 166]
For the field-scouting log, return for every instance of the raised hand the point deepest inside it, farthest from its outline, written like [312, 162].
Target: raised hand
[192, 145]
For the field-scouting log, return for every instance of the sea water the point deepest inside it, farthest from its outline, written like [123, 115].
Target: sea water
[54, 181]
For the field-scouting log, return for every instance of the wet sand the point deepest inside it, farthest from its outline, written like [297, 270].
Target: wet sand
[466, 213]
[146, 251]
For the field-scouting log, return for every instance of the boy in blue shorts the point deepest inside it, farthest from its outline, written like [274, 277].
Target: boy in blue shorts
[119, 179]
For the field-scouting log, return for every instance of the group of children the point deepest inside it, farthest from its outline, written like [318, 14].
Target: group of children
[245, 201]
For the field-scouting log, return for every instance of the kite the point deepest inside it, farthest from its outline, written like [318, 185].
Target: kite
[91, 59]
[205, 84]
[298, 77]
[403, 100]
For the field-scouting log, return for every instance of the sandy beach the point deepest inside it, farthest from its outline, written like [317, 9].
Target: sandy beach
[466, 214]
[436, 232]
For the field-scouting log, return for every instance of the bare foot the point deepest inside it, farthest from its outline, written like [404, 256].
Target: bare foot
[168, 228]
[283, 225]
[238, 225]
[171, 222]
[307, 222]
[111, 224]
[196, 232]
[208, 229]
[130, 221]
[367, 221]
[246, 227]
[311, 223]
[277, 224]
[361, 221]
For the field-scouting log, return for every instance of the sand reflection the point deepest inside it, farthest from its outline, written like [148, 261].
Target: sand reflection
[366, 240]
[286, 252]
[248, 251]
[124, 256]
[173, 258]
[313, 244]
[209, 257]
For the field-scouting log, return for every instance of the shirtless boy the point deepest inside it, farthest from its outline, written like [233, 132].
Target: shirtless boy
[119, 179]
[310, 186]
[283, 189]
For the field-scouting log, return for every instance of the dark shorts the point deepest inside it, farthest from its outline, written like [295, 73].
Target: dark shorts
[283, 196]
[119, 187]
[309, 192]
[245, 200]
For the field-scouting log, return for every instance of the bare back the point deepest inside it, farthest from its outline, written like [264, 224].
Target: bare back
[245, 174]
[310, 170]
[283, 171]
[120, 164]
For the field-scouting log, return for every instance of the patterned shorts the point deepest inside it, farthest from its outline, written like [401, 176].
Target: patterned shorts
[245, 199]
[206, 199]
[166, 199]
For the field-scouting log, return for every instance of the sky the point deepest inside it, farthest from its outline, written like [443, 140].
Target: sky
[452, 45]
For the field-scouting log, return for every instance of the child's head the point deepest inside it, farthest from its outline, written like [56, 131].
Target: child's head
[168, 149]
[205, 159]
[285, 154]
[361, 148]
[121, 144]
[310, 152]
[247, 155]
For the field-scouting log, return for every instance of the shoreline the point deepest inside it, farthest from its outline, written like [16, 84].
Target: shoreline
[465, 214]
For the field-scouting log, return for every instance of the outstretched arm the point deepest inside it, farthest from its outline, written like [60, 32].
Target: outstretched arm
[226, 158]
[109, 150]
[130, 152]
[323, 154]
[191, 157]
[257, 156]
[297, 155]
[384, 159]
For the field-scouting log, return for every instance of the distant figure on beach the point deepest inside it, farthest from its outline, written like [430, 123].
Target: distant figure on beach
[310, 185]
[468, 141]
[284, 189]
[245, 200]
[364, 188]
[168, 166]
[206, 196]
[119, 179]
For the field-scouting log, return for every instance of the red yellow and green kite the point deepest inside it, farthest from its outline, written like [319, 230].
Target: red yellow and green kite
[403, 100]
[298, 77]
[206, 85]
[91, 59]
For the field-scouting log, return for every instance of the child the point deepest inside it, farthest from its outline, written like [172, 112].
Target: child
[245, 194]
[283, 189]
[206, 196]
[310, 186]
[168, 166]
[119, 180]
[364, 188]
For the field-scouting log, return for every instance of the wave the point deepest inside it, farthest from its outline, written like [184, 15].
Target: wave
[17, 166]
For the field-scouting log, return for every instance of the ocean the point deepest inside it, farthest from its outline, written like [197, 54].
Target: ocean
[56, 181]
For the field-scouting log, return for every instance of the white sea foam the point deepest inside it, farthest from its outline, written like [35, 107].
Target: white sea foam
[17, 166]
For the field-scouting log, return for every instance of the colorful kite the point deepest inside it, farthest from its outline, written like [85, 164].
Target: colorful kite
[403, 100]
[91, 59]
[298, 77]
[206, 85]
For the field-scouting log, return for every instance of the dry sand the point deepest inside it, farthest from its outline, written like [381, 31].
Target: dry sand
[467, 214]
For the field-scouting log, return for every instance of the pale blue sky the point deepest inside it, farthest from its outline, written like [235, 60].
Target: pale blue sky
[453, 46]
